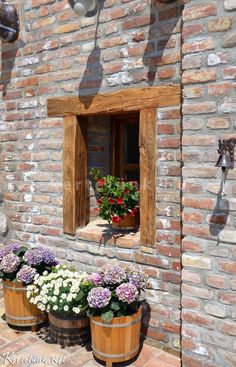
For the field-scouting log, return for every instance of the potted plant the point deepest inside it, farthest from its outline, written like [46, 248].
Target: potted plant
[18, 266]
[57, 293]
[118, 200]
[112, 298]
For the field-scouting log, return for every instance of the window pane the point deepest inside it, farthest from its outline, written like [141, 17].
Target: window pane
[131, 143]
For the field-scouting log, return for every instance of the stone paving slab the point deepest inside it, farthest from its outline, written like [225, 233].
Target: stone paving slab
[28, 349]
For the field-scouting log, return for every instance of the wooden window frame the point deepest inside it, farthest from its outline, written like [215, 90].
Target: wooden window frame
[117, 151]
[75, 110]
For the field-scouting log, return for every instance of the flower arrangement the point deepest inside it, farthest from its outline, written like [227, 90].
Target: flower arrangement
[57, 291]
[117, 198]
[114, 291]
[19, 263]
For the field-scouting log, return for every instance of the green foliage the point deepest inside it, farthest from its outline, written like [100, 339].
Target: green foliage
[117, 198]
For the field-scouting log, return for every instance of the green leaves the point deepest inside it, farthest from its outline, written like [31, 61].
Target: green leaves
[107, 316]
[115, 306]
[109, 189]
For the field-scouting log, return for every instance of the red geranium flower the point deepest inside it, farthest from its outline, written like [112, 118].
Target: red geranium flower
[119, 200]
[101, 182]
[99, 201]
[111, 201]
[126, 191]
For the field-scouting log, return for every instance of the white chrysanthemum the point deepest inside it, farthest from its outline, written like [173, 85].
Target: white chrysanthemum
[66, 308]
[54, 299]
[44, 300]
[76, 310]
[69, 297]
[64, 296]
[55, 308]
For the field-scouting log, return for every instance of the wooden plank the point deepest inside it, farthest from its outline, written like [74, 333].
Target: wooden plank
[148, 155]
[74, 175]
[121, 101]
[81, 170]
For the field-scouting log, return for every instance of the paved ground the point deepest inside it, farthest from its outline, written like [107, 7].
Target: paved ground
[27, 349]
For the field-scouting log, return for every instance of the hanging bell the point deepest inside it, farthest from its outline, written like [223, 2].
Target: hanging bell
[224, 161]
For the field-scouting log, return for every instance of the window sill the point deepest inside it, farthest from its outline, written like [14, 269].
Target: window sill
[100, 231]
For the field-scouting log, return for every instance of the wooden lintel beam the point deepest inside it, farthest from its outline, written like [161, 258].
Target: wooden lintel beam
[124, 100]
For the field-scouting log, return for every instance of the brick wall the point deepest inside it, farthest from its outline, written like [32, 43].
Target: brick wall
[209, 265]
[134, 43]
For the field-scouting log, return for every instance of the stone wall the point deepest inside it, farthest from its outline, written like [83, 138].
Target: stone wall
[209, 252]
[133, 43]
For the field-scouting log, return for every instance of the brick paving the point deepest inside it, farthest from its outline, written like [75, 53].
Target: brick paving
[27, 349]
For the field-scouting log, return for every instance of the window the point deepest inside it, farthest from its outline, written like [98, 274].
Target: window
[75, 111]
[125, 147]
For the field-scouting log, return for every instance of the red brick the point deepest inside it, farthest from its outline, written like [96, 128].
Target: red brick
[136, 22]
[227, 298]
[198, 46]
[219, 89]
[191, 303]
[193, 217]
[216, 281]
[196, 318]
[171, 278]
[192, 30]
[204, 203]
[227, 266]
[198, 76]
[191, 246]
[200, 11]
[199, 108]
[171, 327]
[227, 327]
[218, 123]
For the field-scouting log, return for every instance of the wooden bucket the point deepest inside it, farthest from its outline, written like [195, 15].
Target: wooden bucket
[117, 341]
[68, 330]
[18, 309]
[128, 223]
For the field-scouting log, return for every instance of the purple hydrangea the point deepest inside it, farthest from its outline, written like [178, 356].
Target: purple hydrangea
[9, 263]
[136, 276]
[33, 257]
[99, 297]
[3, 252]
[48, 256]
[127, 292]
[112, 274]
[26, 274]
[14, 247]
[95, 278]
[38, 255]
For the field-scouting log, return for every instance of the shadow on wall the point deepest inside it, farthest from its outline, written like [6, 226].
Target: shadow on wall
[164, 20]
[9, 52]
[93, 74]
[219, 216]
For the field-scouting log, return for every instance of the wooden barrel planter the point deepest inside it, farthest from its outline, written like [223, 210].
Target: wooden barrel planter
[117, 341]
[19, 311]
[128, 223]
[68, 330]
